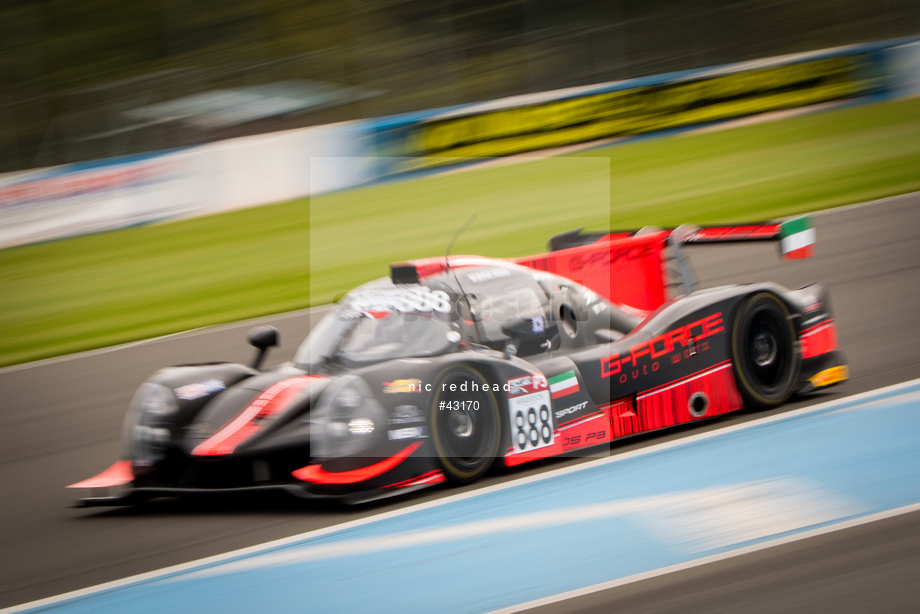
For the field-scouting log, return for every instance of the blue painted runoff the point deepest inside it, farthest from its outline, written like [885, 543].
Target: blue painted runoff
[849, 460]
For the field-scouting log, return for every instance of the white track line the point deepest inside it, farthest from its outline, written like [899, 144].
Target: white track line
[708, 559]
[476, 493]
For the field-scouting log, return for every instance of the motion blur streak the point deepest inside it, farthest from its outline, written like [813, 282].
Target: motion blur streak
[605, 520]
[696, 520]
[100, 78]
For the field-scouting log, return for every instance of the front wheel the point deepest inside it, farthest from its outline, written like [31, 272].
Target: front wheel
[465, 425]
[765, 358]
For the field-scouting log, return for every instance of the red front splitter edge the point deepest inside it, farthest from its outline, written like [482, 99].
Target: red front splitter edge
[118, 474]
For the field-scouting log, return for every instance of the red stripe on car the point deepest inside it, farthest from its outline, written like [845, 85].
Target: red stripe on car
[249, 421]
[819, 340]
[318, 475]
[432, 477]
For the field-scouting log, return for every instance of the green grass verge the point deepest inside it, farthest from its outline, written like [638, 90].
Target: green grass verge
[98, 290]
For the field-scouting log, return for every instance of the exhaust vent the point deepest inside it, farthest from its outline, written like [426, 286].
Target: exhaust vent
[698, 404]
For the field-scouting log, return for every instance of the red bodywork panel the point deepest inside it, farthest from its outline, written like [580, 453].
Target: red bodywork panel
[668, 405]
[819, 339]
[626, 271]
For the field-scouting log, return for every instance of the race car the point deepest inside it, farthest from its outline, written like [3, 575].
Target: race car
[453, 365]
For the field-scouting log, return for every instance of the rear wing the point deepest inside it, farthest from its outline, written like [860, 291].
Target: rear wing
[641, 269]
[796, 236]
[637, 270]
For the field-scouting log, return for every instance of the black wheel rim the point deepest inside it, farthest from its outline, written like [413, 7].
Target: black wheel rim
[766, 354]
[466, 436]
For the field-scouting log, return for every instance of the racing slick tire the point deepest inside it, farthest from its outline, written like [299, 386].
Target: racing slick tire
[764, 354]
[465, 425]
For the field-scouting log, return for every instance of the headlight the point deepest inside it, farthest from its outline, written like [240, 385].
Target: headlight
[346, 419]
[147, 426]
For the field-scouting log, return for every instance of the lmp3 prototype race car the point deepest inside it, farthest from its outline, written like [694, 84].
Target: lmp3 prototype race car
[455, 364]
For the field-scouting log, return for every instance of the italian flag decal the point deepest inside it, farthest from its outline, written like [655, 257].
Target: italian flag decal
[797, 238]
[563, 384]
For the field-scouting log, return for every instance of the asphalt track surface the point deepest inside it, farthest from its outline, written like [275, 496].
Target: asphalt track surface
[62, 419]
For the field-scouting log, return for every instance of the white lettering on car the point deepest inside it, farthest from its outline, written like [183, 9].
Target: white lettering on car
[571, 410]
[403, 299]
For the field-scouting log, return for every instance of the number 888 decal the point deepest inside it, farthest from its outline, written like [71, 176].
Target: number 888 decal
[532, 432]
[531, 421]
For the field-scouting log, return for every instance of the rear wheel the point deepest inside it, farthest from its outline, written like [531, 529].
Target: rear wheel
[465, 425]
[763, 351]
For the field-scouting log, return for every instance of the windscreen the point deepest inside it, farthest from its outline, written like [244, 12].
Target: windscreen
[500, 296]
[382, 322]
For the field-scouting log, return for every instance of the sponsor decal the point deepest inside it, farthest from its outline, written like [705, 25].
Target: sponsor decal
[636, 110]
[571, 410]
[589, 439]
[402, 299]
[488, 274]
[406, 414]
[538, 324]
[632, 252]
[563, 384]
[525, 384]
[674, 346]
[587, 431]
[402, 385]
[415, 432]
[830, 376]
[88, 182]
[197, 390]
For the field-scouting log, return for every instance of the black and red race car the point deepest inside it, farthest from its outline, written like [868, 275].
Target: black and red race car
[453, 365]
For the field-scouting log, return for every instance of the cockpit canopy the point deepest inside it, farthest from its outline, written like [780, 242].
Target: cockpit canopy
[381, 320]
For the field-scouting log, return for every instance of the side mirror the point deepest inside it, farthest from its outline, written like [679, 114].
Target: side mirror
[529, 335]
[262, 338]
